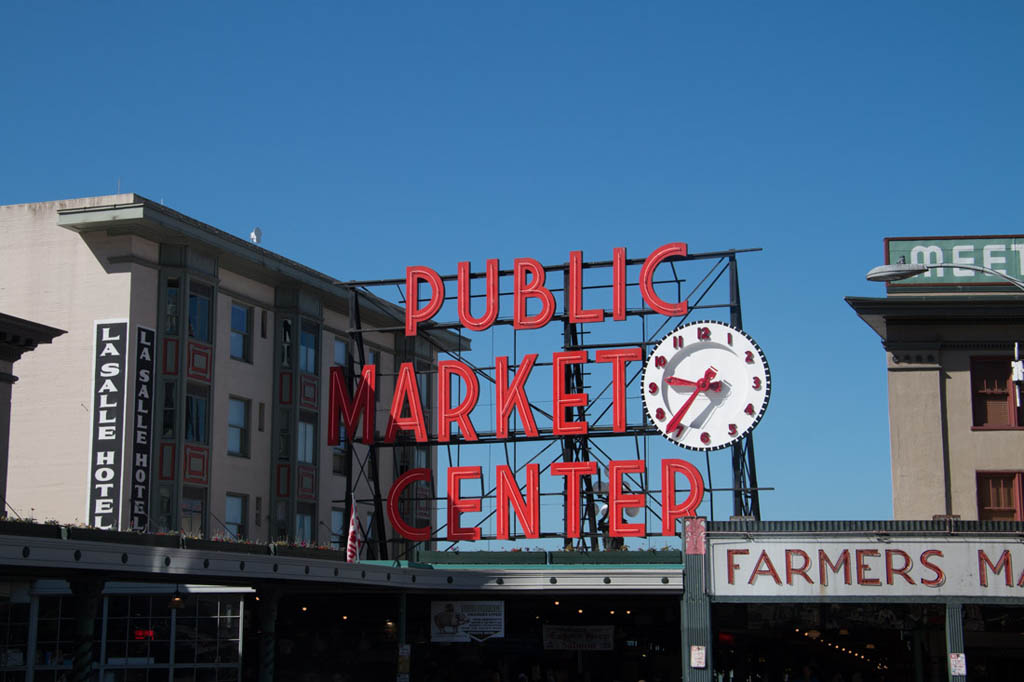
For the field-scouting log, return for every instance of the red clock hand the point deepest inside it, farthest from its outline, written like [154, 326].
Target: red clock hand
[676, 381]
[701, 385]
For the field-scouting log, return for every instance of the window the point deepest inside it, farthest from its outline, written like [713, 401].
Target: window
[241, 332]
[421, 457]
[171, 309]
[238, 427]
[236, 513]
[307, 348]
[56, 635]
[339, 461]
[138, 628]
[423, 382]
[281, 520]
[304, 523]
[192, 502]
[286, 344]
[306, 452]
[170, 410]
[197, 414]
[199, 296]
[165, 519]
[999, 496]
[207, 640]
[337, 528]
[993, 395]
[340, 352]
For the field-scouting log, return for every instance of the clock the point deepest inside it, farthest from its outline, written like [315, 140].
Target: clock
[706, 385]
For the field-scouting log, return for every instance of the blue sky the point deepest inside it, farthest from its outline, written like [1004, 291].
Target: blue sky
[364, 137]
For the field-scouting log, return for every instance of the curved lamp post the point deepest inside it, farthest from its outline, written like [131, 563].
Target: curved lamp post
[903, 270]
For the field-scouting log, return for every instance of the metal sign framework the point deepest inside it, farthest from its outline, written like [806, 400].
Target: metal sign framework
[585, 448]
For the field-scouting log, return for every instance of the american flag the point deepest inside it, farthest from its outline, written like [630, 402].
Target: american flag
[352, 549]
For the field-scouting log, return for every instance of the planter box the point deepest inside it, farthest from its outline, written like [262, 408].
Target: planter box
[531, 558]
[36, 530]
[219, 546]
[310, 553]
[671, 556]
[124, 537]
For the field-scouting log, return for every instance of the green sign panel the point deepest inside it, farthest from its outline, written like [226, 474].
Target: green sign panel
[1002, 253]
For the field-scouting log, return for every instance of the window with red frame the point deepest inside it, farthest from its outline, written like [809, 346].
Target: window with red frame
[999, 496]
[993, 397]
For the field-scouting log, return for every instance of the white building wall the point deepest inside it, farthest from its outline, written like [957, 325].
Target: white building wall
[56, 277]
[253, 381]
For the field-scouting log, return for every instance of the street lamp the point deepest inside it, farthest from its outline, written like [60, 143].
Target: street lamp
[903, 270]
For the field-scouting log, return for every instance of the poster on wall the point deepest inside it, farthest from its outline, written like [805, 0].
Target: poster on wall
[107, 433]
[142, 411]
[579, 637]
[466, 621]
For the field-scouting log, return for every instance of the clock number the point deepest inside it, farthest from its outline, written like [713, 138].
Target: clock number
[750, 358]
[659, 361]
[728, 338]
[652, 388]
[732, 430]
[677, 341]
[659, 414]
[705, 437]
[703, 333]
[757, 383]
[749, 409]
[679, 432]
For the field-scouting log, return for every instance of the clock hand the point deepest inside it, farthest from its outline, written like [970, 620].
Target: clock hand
[676, 381]
[701, 385]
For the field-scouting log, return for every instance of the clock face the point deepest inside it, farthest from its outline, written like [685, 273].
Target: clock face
[706, 385]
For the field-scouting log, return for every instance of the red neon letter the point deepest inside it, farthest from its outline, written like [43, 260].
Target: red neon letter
[561, 411]
[647, 280]
[619, 284]
[446, 414]
[825, 564]
[792, 570]
[415, 274]
[535, 289]
[478, 324]
[670, 511]
[1004, 564]
[862, 566]
[729, 554]
[506, 397]
[340, 403]
[576, 311]
[940, 577]
[528, 510]
[618, 501]
[406, 392]
[768, 569]
[891, 571]
[572, 472]
[421, 533]
[457, 505]
[618, 357]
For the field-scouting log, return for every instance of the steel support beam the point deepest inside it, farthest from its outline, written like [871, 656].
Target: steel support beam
[86, 594]
[695, 618]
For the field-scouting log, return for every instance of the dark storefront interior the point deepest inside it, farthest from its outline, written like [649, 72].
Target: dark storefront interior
[320, 637]
[862, 642]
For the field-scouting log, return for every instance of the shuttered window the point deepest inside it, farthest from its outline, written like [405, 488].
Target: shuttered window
[993, 395]
[999, 496]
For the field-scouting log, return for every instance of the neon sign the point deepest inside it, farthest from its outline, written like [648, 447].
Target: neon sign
[406, 417]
